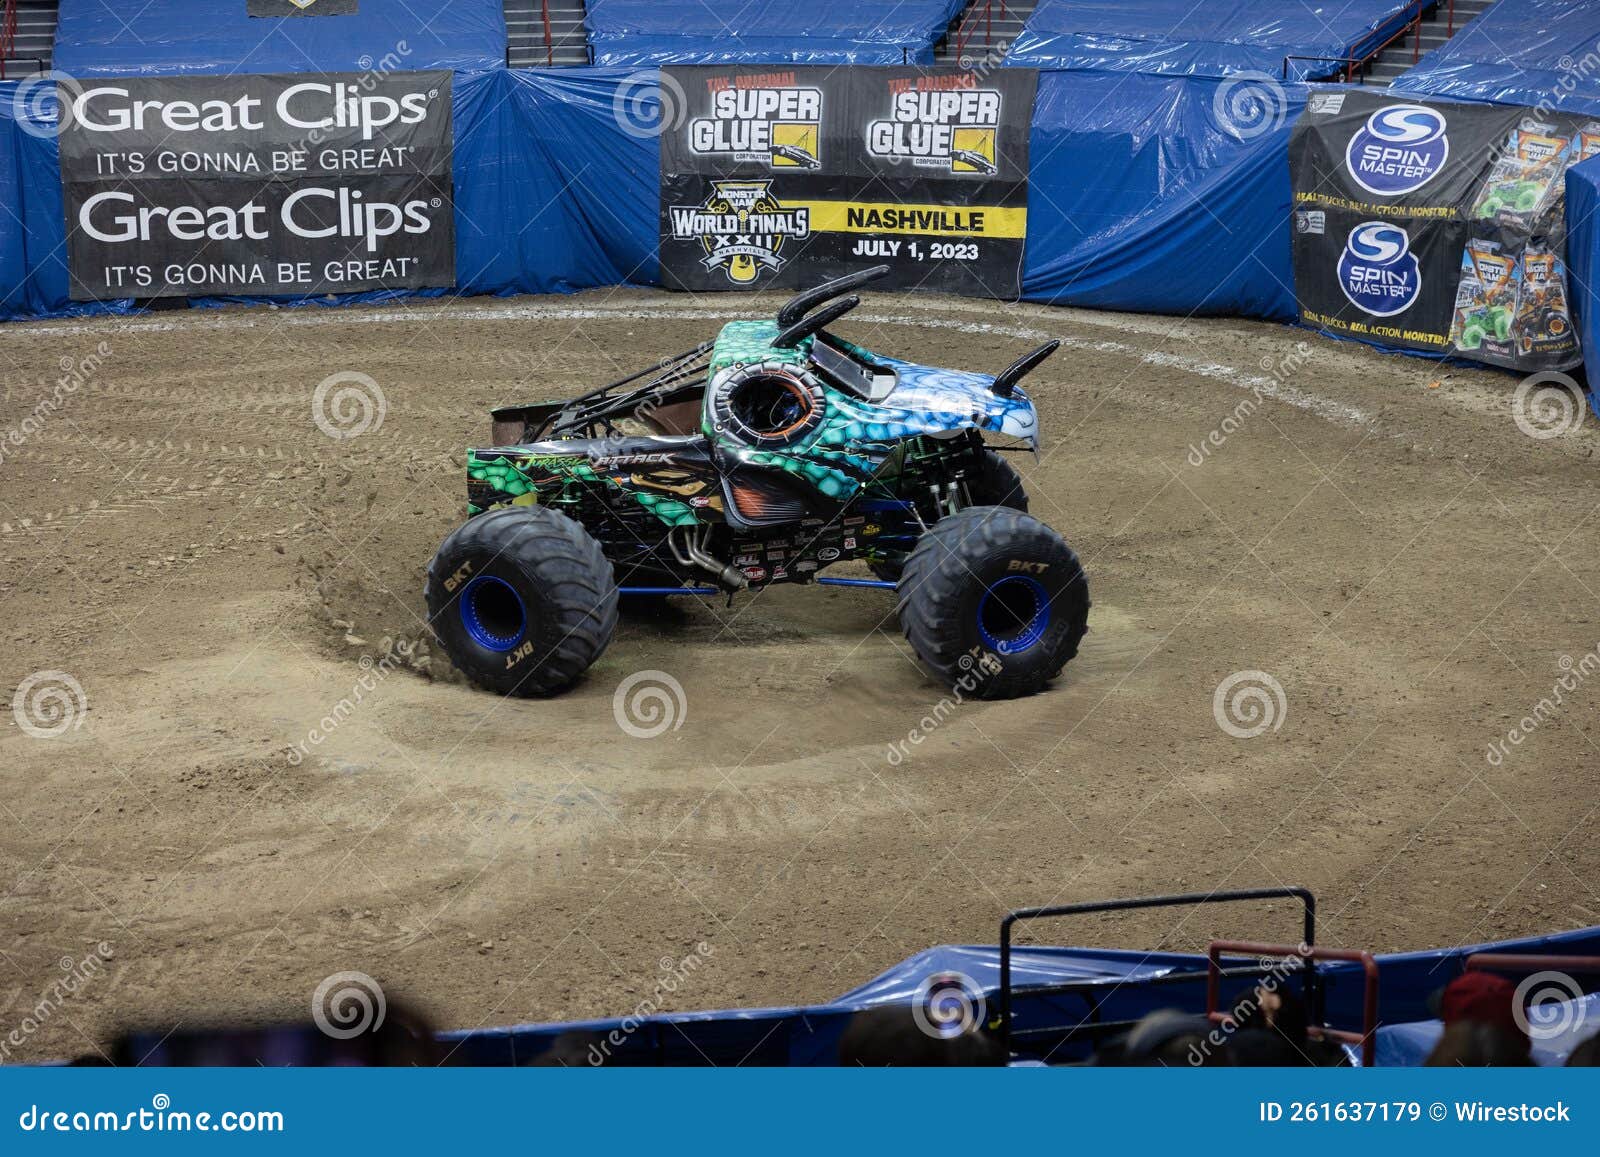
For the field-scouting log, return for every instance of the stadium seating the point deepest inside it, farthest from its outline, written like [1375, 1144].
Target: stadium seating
[637, 32]
[1179, 37]
[166, 37]
[1530, 52]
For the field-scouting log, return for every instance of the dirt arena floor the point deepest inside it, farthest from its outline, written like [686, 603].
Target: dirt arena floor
[223, 581]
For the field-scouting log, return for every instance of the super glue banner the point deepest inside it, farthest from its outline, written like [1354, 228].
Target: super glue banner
[1437, 226]
[259, 185]
[788, 176]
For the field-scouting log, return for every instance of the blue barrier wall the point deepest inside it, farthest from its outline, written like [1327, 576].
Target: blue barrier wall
[1140, 197]
[168, 37]
[1583, 254]
[1145, 195]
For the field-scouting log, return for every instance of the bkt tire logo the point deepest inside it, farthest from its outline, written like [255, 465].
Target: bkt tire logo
[1378, 272]
[1400, 149]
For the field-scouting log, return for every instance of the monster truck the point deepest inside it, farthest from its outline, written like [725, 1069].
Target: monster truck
[1486, 322]
[764, 457]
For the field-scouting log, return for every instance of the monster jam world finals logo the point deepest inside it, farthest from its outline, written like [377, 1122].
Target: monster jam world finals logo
[766, 118]
[940, 122]
[742, 229]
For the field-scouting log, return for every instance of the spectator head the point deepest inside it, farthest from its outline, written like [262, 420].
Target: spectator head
[893, 1035]
[1479, 1044]
[1166, 1038]
[1273, 1008]
[1586, 1055]
[1257, 1048]
[1483, 998]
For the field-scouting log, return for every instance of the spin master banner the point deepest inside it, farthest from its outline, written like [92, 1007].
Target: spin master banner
[284, 185]
[787, 176]
[1437, 227]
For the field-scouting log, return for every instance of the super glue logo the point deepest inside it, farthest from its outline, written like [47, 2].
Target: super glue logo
[1377, 271]
[1400, 149]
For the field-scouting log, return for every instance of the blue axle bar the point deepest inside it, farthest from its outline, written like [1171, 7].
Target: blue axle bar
[850, 582]
[706, 592]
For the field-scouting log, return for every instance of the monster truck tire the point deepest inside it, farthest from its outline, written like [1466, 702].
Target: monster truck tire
[993, 602]
[522, 600]
[999, 485]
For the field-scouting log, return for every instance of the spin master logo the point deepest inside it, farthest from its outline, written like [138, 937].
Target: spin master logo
[768, 119]
[939, 122]
[742, 229]
[1400, 149]
[1377, 271]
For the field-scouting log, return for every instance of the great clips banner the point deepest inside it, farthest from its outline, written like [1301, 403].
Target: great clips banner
[1437, 227]
[793, 175]
[297, 184]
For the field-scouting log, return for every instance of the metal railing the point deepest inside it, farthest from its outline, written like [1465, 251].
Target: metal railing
[1078, 989]
[969, 25]
[8, 35]
[1367, 1038]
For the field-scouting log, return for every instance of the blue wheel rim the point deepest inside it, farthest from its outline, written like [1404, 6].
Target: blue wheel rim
[492, 613]
[1013, 614]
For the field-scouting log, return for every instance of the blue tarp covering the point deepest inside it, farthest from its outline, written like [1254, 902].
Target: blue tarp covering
[768, 31]
[1114, 985]
[1583, 255]
[1180, 37]
[1531, 52]
[1141, 197]
[1561, 1027]
[166, 37]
